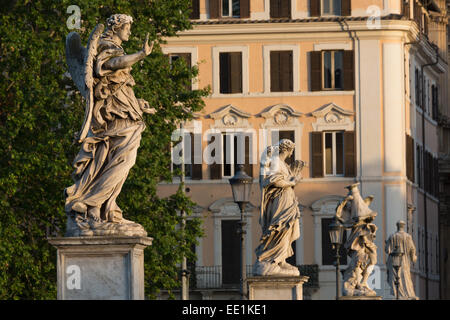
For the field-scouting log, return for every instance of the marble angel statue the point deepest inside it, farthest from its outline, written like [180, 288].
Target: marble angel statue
[354, 213]
[111, 131]
[280, 213]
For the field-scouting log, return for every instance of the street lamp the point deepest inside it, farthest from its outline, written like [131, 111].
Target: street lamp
[397, 255]
[241, 185]
[336, 231]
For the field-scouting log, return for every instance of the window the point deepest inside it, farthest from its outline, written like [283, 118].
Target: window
[410, 158]
[434, 102]
[417, 87]
[281, 71]
[331, 7]
[229, 9]
[333, 154]
[235, 149]
[280, 8]
[230, 70]
[333, 143]
[419, 168]
[332, 70]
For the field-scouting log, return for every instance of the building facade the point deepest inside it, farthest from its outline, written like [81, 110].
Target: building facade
[358, 85]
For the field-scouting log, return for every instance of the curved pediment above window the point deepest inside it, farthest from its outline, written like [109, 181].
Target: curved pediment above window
[326, 206]
[230, 116]
[280, 115]
[227, 207]
[332, 117]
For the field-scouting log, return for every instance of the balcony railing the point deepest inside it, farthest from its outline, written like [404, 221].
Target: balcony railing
[211, 277]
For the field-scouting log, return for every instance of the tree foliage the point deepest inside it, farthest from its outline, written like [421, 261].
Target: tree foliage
[40, 111]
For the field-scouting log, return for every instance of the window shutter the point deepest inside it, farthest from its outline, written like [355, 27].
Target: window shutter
[195, 13]
[285, 9]
[349, 70]
[316, 70]
[214, 9]
[410, 158]
[215, 169]
[349, 154]
[235, 72]
[346, 8]
[196, 148]
[316, 155]
[248, 167]
[314, 6]
[275, 8]
[286, 74]
[275, 71]
[225, 76]
[245, 8]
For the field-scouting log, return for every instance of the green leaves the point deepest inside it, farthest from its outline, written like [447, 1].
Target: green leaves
[40, 110]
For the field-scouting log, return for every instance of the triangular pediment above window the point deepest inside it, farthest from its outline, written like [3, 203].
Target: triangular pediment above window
[332, 117]
[230, 116]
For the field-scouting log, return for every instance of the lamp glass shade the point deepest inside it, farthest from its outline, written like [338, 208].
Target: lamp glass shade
[336, 231]
[241, 186]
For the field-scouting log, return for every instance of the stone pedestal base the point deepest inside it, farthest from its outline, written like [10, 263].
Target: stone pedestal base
[276, 288]
[360, 298]
[100, 268]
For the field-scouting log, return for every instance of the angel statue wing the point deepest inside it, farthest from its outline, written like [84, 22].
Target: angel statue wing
[81, 63]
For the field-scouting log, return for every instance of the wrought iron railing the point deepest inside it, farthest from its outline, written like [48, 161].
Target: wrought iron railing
[211, 277]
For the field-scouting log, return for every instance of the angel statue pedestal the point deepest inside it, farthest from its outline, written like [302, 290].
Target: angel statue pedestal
[276, 287]
[100, 268]
[101, 256]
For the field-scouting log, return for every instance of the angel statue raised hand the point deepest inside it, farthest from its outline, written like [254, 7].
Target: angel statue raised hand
[111, 131]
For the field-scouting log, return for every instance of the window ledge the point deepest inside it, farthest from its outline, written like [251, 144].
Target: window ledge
[283, 94]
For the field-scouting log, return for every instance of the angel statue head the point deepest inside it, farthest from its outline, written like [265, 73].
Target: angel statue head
[286, 146]
[118, 27]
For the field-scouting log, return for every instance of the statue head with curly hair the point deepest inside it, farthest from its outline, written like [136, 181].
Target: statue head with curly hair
[286, 145]
[118, 28]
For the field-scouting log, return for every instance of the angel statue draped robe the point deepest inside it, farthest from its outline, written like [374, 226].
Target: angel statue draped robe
[360, 244]
[109, 150]
[280, 214]
[405, 244]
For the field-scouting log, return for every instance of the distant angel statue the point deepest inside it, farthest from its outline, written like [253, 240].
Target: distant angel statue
[280, 211]
[111, 131]
[354, 213]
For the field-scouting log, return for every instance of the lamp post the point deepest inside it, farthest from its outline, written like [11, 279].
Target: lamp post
[336, 231]
[397, 255]
[241, 185]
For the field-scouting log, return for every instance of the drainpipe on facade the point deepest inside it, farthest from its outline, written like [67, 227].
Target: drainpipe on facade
[423, 158]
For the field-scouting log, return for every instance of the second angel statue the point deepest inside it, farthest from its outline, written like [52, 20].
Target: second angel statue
[111, 132]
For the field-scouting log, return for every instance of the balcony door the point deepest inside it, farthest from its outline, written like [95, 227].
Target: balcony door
[231, 252]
